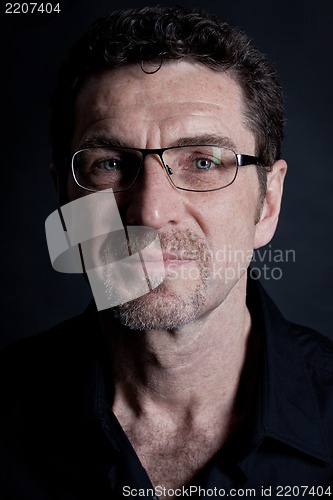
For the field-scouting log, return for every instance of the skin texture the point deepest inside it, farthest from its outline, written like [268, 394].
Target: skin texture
[176, 380]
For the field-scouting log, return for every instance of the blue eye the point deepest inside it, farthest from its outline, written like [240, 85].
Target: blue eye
[204, 164]
[109, 165]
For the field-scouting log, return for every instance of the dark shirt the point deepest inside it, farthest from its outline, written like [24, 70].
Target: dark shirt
[60, 440]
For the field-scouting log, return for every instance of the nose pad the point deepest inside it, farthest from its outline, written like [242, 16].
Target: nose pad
[169, 169]
[152, 203]
[164, 166]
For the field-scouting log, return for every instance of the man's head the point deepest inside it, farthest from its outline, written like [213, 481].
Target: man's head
[159, 78]
[157, 34]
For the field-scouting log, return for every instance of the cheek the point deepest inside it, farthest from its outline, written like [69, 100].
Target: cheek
[73, 191]
[230, 218]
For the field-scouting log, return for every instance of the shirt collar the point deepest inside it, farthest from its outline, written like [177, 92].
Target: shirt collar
[289, 409]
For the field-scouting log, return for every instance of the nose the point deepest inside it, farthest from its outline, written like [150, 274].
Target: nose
[153, 200]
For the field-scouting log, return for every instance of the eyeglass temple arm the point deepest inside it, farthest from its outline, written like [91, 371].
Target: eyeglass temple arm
[243, 160]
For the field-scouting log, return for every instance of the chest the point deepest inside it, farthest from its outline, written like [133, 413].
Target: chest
[173, 460]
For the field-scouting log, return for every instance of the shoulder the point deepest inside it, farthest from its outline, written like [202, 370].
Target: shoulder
[34, 363]
[68, 331]
[317, 349]
[317, 355]
[45, 342]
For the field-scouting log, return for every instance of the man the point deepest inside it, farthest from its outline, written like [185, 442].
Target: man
[198, 387]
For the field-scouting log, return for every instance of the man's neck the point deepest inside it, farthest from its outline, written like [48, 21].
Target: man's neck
[191, 373]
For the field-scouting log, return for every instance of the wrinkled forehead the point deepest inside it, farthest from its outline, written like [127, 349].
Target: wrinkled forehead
[178, 98]
[133, 125]
[148, 111]
[96, 111]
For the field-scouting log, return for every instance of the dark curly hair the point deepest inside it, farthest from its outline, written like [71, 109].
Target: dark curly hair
[141, 35]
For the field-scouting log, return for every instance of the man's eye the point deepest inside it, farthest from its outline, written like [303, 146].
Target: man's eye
[204, 163]
[109, 165]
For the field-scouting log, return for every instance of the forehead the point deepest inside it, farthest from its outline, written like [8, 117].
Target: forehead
[181, 97]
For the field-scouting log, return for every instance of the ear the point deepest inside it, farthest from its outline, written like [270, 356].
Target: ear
[269, 216]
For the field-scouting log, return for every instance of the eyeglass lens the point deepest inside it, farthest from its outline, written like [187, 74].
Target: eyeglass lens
[195, 168]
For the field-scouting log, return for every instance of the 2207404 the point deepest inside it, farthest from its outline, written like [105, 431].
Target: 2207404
[32, 8]
[301, 491]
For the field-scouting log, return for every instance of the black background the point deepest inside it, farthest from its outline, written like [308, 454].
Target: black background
[296, 35]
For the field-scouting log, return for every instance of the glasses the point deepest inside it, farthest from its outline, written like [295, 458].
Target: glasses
[197, 167]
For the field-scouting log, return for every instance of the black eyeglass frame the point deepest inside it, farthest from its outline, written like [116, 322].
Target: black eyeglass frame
[241, 159]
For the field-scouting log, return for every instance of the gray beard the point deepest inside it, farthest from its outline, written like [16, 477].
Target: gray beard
[155, 311]
[162, 308]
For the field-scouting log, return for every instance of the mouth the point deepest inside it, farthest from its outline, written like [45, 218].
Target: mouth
[173, 258]
[167, 258]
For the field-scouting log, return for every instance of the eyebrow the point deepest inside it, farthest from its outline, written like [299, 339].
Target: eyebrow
[204, 139]
[103, 141]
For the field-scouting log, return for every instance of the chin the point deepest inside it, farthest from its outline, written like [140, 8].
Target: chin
[161, 309]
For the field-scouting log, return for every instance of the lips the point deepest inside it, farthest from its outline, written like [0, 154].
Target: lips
[171, 256]
[176, 247]
[165, 257]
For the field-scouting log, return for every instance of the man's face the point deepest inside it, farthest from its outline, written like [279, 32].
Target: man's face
[207, 237]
